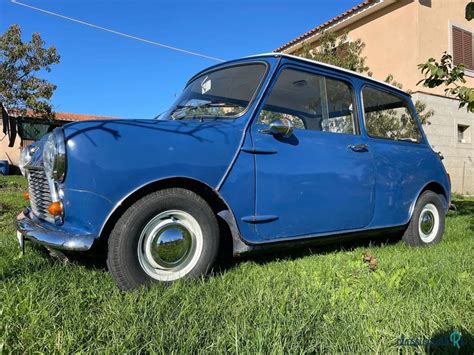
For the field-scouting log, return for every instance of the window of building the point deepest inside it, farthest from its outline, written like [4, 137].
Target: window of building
[388, 116]
[311, 102]
[462, 47]
[33, 131]
[464, 134]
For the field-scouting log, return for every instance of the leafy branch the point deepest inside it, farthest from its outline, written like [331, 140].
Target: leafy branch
[446, 73]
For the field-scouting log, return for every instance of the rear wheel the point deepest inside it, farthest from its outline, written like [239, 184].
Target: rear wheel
[427, 223]
[165, 236]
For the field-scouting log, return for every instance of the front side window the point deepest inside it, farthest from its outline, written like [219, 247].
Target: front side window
[311, 102]
[388, 116]
[222, 93]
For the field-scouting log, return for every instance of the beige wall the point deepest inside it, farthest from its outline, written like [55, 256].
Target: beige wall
[406, 33]
[391, 41]
[7, 153]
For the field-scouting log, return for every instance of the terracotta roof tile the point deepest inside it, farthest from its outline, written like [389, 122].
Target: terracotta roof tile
[65, 116]
[325, 24]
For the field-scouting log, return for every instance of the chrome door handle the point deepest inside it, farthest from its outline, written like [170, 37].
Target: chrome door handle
[360, 148]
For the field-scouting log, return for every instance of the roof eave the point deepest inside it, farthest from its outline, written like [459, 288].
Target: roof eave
[335, 25]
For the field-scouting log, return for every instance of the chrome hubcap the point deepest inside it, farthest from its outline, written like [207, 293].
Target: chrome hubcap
[428, 223]
[170, 245]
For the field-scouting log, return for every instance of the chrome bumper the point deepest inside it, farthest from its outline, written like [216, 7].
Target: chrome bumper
[37, 233]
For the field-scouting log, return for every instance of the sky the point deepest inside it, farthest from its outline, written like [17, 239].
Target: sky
[104, 74]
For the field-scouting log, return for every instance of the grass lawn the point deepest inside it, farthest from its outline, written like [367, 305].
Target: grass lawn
[326, 300]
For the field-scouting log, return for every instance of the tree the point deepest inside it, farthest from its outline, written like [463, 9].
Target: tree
[446, 73]
[20, 88]
[420, 106]
[337, 50]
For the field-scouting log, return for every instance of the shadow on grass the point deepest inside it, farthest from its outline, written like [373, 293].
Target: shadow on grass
[21, 267]
[96, 260]
[465, 207]
[332, 245]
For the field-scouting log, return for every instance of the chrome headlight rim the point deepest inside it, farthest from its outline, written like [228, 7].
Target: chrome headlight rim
[25, 159]
[54, 156]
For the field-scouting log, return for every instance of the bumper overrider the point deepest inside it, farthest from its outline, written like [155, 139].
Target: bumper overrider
[29, 228]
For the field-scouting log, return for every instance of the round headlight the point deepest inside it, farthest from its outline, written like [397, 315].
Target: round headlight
[49, 155]
[25, 158]
[54, 156]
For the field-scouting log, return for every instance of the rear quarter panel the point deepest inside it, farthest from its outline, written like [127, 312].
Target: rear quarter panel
[403, 170]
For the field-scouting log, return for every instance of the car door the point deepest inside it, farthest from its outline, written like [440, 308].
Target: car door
[319, 179]
[403, 160]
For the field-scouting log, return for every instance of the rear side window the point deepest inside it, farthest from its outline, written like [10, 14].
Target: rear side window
[311, 102]
[388, 116]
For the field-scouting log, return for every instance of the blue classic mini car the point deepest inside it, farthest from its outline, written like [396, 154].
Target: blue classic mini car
[273, 149]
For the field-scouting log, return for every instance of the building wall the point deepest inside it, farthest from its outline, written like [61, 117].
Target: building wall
[390, 41]
[6, 153]
[443, 137]
[434, 33]
[407, 33]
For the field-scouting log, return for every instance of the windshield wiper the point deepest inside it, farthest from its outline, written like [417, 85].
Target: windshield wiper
[190, 108]
[178, 109]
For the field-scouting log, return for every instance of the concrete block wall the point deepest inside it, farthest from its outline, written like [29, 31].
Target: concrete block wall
[442, 134]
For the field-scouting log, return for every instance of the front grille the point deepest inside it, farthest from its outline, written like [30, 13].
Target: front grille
[40, 195]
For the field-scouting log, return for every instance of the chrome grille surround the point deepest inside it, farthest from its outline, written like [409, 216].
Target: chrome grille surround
[40, 194]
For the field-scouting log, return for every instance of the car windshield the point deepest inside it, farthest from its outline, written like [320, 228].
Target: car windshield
[221, 93]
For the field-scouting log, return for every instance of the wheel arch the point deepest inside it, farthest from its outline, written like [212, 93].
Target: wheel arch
[437, 188]
[229, 231]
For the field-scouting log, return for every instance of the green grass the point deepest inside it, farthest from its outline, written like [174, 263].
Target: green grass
[319, 301]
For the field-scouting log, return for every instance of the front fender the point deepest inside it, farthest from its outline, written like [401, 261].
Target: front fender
[110, 159]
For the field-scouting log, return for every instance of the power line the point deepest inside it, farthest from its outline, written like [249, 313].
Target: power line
[117, 32]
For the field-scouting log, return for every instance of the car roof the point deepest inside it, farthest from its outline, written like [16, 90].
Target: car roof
[330, 66]
[305, 60]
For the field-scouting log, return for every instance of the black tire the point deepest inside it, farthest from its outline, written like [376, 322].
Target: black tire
[129, 270]
[414, 234]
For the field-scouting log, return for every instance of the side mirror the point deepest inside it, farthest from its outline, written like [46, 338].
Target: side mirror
[280, 126]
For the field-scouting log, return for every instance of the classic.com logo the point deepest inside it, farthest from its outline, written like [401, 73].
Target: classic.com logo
[454, 339]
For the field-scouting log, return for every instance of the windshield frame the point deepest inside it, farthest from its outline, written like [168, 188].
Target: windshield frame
[214, 69]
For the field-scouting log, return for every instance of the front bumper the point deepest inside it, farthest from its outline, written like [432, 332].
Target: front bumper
[36, 232]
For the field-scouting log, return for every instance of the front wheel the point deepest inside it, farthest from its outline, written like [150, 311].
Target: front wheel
[426, 226]
[165, 236]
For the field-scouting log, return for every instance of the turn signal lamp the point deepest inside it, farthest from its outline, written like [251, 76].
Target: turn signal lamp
[26, 195]
[55, 208]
